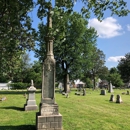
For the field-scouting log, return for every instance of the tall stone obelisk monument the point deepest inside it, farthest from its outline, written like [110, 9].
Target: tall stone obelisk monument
[48, 117]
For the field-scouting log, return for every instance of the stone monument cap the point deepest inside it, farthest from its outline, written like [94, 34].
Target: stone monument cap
[31, 88]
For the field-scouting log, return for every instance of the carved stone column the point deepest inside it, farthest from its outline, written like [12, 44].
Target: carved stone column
[48, 117]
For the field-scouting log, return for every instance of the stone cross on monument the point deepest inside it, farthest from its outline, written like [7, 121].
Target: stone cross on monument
[48, 116]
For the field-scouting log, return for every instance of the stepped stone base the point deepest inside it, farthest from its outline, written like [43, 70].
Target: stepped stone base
[48, 122]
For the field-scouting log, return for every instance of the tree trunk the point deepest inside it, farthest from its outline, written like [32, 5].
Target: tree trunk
[65, 71]
[65, 83]
[94, 83]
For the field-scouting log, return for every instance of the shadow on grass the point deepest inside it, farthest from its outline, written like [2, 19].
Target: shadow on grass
[21, 127]
[16, 91]
[13, 107]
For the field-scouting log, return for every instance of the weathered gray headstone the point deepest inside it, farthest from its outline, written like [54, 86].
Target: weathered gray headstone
[112, 98]
[67, 95]
[103, 92]
[127, 92]
[118, 99]
[48, 117]
[31, 102]
[110, 88]
[84, 92]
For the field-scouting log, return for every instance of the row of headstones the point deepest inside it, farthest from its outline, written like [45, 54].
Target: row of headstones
[31, 102]
[103, 92]
[112, 99]
[118, 98]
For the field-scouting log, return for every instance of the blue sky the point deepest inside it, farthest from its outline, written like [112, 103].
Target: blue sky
[113, 31]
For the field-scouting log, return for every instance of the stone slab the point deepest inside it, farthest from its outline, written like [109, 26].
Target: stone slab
[30, 108]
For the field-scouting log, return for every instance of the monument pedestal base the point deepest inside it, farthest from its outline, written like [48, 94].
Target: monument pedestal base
[48, 118]
[30, 107]
[49, 122]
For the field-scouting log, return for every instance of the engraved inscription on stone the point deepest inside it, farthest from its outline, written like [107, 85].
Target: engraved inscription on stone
[50, 110]
[49, 83]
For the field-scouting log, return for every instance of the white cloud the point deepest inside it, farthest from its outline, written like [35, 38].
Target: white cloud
[108, 28]
[115, 58]
[128, 27]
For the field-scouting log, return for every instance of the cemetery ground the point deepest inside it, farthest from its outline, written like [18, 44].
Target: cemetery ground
[90, 112]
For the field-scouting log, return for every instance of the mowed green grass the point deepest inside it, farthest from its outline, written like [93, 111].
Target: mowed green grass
[90, 112]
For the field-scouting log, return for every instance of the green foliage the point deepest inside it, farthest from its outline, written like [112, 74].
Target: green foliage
[34, 73]
[116, 80]
[16, 33]
[19, 85]
[124, 68]
[103, 73]
[116, 7]
[73, 41]
[90, 6]
[94, 68]
[89, 83]
[113, 70]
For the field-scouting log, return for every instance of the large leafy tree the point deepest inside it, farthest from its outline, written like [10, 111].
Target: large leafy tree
[62, 6]
[72, 42]
[98, 59]
[94, 68]
[115, 77]
[124, 67]
[16, 33]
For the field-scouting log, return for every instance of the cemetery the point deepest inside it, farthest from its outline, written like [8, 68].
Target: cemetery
[92, 111]
[53, 100]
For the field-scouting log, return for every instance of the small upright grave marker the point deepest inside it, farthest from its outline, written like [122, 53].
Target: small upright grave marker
[103, 92]
[31, 102]
[127, 92]
[110, 88]
[118, 99]
[84, 92]
[112, 98]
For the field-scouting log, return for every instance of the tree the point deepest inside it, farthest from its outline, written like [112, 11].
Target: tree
[21, 68]
[103, 73]
[98, 61]
[72, 42]
[114, 77]
[34, 73]
[16, 35]
[124, 68]
[113, 70]
[98, 7]
[90, 6]
[116, 80]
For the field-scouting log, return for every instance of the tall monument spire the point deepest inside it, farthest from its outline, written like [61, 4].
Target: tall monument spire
[49, 39]
[49, 116]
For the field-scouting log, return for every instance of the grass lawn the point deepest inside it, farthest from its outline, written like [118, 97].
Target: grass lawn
[90, 112]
